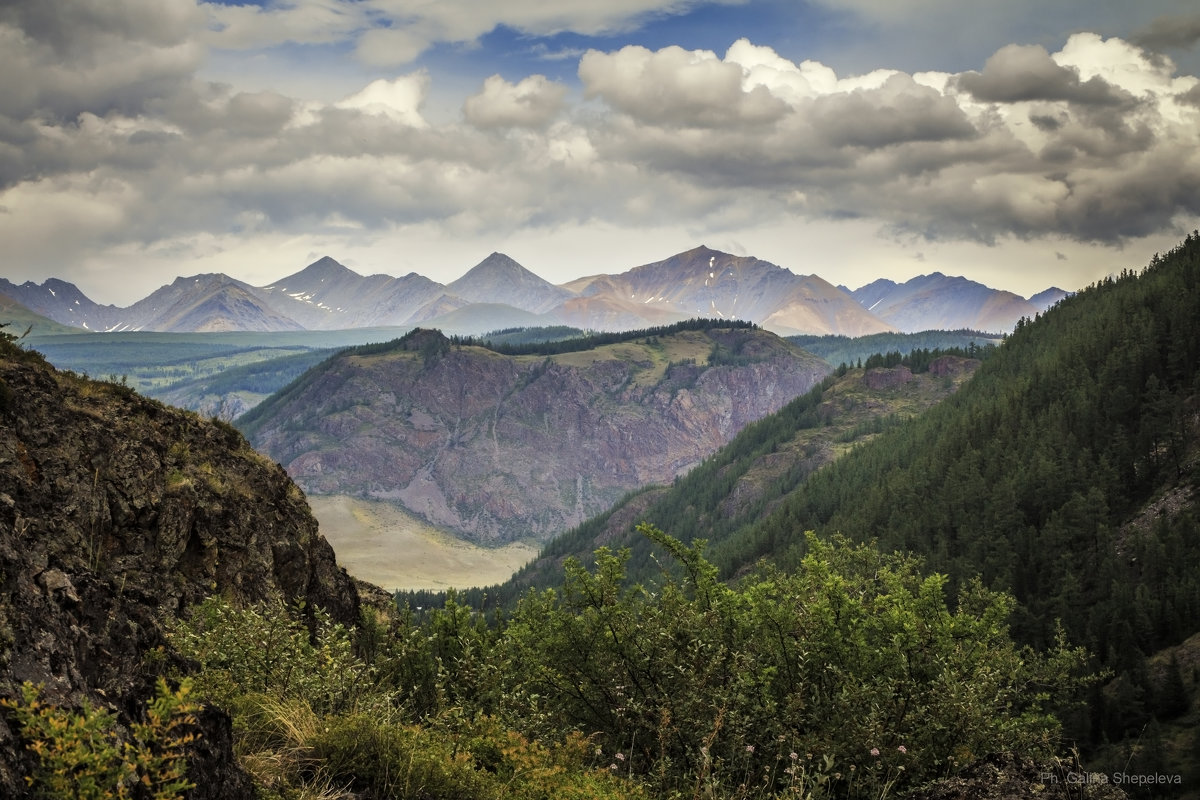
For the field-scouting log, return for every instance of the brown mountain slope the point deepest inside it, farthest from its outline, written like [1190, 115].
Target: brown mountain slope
[758, 470]
[501, 448]
[709, 283]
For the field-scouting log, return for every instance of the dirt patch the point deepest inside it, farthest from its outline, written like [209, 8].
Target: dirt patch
[385, 545]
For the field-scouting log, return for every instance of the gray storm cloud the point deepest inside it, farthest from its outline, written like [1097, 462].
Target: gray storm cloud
[1019, 73]
[1170, 32]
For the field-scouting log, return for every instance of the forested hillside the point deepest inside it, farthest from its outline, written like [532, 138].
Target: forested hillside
[1065, 472]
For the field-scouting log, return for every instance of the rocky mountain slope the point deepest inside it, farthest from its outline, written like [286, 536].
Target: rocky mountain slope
[499, 279]
[706, 282]
[327, 296]
[755, 472]
[498, 292]
[62, 302]
[18, 319]
[500, 448]
[117, 513]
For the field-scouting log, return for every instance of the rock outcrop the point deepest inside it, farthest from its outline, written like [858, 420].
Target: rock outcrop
[117, 513]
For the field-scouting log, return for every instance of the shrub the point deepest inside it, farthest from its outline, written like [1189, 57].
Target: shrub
[80, 754]
[268, 649]
[855, 657]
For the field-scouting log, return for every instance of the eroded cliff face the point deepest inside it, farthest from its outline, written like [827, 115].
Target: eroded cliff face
[501, 448]
[117, 513]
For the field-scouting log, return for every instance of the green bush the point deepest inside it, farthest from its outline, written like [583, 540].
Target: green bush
[267, 649]
[855, 658]
[851, 677]
[81, 756]
[396, 761]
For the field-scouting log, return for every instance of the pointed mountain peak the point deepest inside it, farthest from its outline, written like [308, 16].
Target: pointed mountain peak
[326, 267]
[496, 263]
[702, 254]
[500, 279]
[319, 275]
[496, 267]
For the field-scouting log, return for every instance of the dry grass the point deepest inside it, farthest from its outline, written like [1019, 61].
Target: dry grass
[385, 545]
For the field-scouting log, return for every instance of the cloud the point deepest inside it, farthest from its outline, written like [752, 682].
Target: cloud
[389, 47]
[59, 60]
[394, 32]
[1191, 97]
[399, 99]
[677, 87]
[250, 26]
[1034, 145]
[899, 111]
[532, 103]
[1165, 33]
[1018, 73]
[111, 143]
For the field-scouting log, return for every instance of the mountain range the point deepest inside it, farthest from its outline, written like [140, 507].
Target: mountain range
[499, 293]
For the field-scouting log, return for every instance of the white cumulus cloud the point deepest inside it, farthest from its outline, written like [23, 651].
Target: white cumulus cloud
[533, 102]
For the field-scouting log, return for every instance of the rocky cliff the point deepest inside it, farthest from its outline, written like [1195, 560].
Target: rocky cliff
[500, 448]
[117, 513]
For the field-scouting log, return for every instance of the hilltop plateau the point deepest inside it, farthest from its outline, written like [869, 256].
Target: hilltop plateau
[506, 447]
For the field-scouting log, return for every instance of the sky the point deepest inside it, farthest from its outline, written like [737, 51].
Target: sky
[1022, 144]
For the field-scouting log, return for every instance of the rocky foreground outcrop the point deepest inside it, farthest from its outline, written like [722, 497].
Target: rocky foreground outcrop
[117, 513]
[500, 448]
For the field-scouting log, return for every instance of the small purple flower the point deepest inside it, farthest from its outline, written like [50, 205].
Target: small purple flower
[874, 751]
[749, 748]
[902, 749]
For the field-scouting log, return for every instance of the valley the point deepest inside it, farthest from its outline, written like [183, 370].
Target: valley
[380, 543]
[1035, 497]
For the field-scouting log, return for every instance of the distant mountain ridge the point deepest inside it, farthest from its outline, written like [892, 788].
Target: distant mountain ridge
[942, 302]
[499, 293]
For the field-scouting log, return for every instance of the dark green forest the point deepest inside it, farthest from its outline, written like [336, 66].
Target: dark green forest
[1065, 473]
[546, 341]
